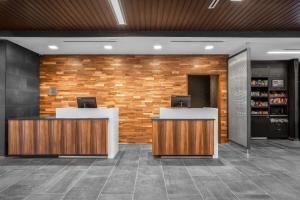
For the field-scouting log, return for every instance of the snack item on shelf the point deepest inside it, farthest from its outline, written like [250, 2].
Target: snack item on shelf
[278, 100]
[277, 94]
[279, 120]
[259, 103]
[259, 94]
[259, 112]
[259, 82]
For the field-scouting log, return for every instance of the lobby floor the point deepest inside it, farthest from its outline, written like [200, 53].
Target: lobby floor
[270, 171]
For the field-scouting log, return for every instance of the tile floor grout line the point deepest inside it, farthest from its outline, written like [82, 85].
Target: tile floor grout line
[25, 176]
[9, 169]
[136, 176]
[291, 188]
[162, 169]
[246, 176]
[250, 179]
[227, 187]
[76, 181]
[193, 181]
[59, 171]
[108, 178]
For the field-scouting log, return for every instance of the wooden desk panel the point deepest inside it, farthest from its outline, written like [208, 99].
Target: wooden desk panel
[57, 137]
[183, 137]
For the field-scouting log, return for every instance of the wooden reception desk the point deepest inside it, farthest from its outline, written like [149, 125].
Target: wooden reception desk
[53, 136]
[73, 132]
[186, 132]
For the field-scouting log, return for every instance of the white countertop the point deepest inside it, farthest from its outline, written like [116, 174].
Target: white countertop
[188, 113]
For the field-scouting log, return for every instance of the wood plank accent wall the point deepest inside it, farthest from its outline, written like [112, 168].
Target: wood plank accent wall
[183, 137]
[138, 84]
[57, 137]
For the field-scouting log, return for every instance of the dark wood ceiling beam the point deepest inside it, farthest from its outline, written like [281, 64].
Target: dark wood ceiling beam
[247, 17]
[241, 17]
[44, 13]
[296, 19]
[199, 17]
[186, 8]
[19, 16]
[192, 14]
[224, 7]
[282, 18]
[274, 14]
[67, 14]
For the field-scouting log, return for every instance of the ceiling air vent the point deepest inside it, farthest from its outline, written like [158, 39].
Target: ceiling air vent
[213, 4]
[90, 41]
[197, 41]
[291, 49]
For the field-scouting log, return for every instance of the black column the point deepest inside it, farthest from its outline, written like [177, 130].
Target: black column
[19, 86]
[293, 75]
[2, 97]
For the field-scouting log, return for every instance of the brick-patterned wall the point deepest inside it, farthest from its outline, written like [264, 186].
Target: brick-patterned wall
[137, 85]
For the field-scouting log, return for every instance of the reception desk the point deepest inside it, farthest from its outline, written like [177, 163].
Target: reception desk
[73, 132]
[186, 132]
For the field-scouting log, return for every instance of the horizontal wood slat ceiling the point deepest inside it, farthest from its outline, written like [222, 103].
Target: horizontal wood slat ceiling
[150, 15]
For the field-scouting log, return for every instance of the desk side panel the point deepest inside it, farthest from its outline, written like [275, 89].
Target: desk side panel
[183, 137]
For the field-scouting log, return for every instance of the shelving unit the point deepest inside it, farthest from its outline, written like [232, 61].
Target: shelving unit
[269, 101]
[259, 96]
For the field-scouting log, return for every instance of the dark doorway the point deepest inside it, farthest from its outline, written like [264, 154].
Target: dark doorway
[203, 90]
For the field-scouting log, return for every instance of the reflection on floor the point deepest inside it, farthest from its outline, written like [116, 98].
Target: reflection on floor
[271, 171]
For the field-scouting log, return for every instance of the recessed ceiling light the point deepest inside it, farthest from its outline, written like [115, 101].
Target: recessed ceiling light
[107, 47]
[236, 0]
[283, 52]
[209, 47]
[117, 8]
[157, 47]
[53, 47]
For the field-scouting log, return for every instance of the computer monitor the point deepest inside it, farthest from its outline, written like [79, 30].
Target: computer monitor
[86, 102]
[181, 101]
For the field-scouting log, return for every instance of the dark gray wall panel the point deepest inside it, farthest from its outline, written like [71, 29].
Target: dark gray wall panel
[19, 85]
[22, 82]
[2, 97]
[2, 73]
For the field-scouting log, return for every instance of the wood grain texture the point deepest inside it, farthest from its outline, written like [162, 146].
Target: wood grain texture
[137, 85]
[150, 15]
[183, 137]
[57, 137]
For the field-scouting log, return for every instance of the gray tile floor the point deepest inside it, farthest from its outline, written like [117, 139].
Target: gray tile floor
[270, 171]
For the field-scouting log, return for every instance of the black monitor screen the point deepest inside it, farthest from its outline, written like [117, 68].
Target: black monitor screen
[181, 101]
[86, 102]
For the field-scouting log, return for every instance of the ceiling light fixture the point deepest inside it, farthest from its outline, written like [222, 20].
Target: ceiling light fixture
[53, 47]
[213, 4]
[236, 0]
[157, 47]
[118, 11]
[209, 47]
[283, 52]
[108, 47]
